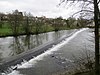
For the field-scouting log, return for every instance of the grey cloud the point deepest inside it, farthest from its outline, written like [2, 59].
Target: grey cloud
[36, 7]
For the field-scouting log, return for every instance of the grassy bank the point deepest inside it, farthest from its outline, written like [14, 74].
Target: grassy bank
[6, 29]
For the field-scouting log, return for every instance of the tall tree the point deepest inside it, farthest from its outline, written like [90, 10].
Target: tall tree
[96, 12]
[96, 15]
[15, 19]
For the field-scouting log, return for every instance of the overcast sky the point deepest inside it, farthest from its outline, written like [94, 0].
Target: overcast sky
[48, 8]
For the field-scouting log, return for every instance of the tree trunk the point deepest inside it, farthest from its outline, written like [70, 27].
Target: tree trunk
[27, 26]
[96, 15]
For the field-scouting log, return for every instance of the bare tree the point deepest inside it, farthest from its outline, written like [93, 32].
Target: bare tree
[26, 23]
[15, 20]
[96, 15]
[89, 7]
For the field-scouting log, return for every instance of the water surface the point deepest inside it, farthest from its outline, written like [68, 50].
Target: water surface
[11, 46]
[60, 58]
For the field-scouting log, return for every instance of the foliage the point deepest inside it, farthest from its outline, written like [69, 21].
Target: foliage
[17, 23]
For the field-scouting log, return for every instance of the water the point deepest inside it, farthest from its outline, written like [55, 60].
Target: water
[12, 46]
[60, 57]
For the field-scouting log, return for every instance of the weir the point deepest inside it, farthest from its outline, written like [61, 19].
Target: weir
[59, 58]
[60, 44]
[12, 61]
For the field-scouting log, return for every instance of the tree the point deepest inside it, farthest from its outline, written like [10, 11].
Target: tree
[1, 16]
[96, 15]
[96, 12]
[71, 22]
[26, 23]
[15, 20]
[1, 19]
[1, 24]
[82, 22]
[57, 23]
[38, 25]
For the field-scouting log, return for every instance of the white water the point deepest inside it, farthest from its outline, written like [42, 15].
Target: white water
[33, 61]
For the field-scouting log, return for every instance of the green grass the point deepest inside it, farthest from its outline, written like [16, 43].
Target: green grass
[6, 29]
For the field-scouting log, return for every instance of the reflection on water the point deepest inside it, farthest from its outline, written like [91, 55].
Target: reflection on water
[16, 46]
[11, 46]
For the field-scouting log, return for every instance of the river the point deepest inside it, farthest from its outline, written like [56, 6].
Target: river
[11, 46]
[57, 59]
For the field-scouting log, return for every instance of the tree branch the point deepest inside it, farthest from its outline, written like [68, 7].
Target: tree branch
[82, 11]
[98, 2]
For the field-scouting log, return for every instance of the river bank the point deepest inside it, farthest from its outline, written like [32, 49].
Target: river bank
[8, 32]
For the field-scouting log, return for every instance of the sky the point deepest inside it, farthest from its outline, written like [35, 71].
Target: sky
[48, 8]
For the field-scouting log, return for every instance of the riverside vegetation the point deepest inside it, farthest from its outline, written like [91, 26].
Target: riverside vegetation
[19, 23]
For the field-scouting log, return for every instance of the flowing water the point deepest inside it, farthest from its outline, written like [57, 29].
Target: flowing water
[11, 46]
[57, 59]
